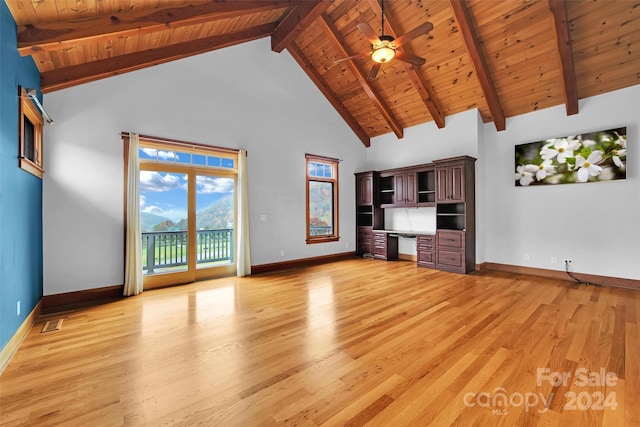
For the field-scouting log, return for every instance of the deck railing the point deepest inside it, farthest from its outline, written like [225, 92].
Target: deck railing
[166, 249]
[320, 231]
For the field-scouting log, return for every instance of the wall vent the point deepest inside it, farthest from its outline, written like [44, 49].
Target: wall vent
[52, 325]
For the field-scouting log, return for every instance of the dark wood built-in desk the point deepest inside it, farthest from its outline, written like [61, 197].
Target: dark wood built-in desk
[448, 185]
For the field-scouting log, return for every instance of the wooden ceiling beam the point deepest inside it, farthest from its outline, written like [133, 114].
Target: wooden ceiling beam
[296, 21]
[77, 74]
[418, 80]
[333, 33]
[464, 21]
[333, 98]
[57, 35]
[563, 41]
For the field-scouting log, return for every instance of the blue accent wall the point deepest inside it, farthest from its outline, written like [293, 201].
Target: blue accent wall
[20, 192]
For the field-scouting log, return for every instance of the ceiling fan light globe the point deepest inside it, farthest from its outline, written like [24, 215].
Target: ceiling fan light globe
[383, 54]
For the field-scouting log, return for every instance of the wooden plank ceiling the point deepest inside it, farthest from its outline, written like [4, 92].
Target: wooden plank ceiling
[504, 58]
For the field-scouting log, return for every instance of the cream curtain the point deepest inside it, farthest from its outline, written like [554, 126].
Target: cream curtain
[243, 251]
[133, 244]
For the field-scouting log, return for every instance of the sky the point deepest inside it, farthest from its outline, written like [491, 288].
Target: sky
[165, 194]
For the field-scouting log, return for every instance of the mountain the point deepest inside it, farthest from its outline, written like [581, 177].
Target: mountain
[217, 216]
[148, 220]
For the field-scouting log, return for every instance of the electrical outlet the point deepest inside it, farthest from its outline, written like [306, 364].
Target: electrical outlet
[567, 260]
[527, 257]
[346, 245]
[18, 308]
[281, 252]
[554, 260]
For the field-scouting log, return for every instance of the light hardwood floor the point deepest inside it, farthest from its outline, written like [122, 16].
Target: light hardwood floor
[348, 343]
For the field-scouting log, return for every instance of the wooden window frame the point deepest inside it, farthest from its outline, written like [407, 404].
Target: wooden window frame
[28, 111]
[335, 236]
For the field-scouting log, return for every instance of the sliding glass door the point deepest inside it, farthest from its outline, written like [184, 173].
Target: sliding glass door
[187, 216]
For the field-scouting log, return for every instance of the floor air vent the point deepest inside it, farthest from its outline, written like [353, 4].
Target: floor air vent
[52, 325]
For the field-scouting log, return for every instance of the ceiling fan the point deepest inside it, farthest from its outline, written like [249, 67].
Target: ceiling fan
[384, 48]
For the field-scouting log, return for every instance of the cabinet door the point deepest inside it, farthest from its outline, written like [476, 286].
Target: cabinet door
[456, 182]
[450, 183]
[405, 186]
[442, 188]
[410, 188]
[400, 189]
[364, 190]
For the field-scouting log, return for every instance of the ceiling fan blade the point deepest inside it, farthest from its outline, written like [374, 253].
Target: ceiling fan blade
[369, 33]
[349, 58]
[374, 71]
[412, 59]
[418, 31]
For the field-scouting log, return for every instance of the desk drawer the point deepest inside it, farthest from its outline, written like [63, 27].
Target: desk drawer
[425, 242]
[380, 239]
[426, 259]
[450, 239]
[452, 259]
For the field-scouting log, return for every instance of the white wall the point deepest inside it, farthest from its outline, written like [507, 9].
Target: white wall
[594, 224]
[241, 97]
[425, 143]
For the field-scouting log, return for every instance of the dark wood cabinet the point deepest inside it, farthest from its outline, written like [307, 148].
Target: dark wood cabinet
[447, 184]
[369, 215]
[455, 215]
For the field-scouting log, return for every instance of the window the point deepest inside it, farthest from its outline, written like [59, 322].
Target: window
[322, 199]
[30, 136]
[190, 156]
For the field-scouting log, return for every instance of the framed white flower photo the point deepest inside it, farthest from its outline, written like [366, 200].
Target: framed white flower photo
[588, 157]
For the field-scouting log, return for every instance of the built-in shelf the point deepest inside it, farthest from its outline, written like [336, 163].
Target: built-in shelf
[386, 190]
[450, 208]
[450, 222]
[426, 186]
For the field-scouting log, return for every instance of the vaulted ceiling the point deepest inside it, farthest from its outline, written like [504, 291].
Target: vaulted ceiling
[504, 58]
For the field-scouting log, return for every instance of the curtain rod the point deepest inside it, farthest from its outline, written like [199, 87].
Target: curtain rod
[182, 143]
